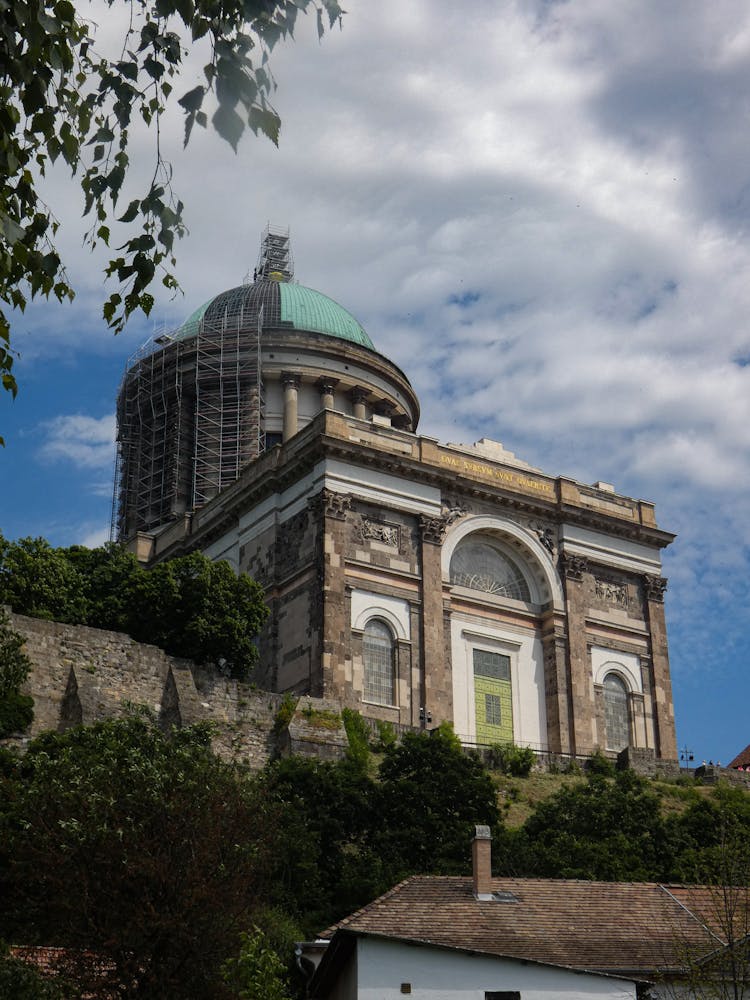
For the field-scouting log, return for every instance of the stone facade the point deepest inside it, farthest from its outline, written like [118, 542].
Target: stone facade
[351, 522]
[412, 580]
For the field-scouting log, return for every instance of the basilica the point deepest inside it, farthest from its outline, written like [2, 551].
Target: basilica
[412, 580]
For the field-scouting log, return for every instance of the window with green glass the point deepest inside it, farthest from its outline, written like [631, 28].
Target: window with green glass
[493, 701]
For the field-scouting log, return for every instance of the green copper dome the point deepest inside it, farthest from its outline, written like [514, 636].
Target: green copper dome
[276, 305]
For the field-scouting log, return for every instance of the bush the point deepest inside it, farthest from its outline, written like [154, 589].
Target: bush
[387, 738]
[189, 606]
[358, 734]
[16, 709]
[285, 713]
[512, 760]
[599, 764]
[16, 714]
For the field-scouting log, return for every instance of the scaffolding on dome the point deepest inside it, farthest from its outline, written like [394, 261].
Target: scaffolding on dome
[190, 416]
[275, 257]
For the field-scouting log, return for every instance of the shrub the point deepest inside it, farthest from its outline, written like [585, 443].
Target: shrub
[599, 764]
[16, 709]
[358, 734]
[386, 736]
[16, 713]
[285, 713]
[511, 759]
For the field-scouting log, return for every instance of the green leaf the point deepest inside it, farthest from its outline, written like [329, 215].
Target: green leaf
[265, 121]
[193, 99]
[229, 125]
[131, 211]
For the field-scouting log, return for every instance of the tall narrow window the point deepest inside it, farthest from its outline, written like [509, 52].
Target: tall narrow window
[379, 662]
[492, 697]
[616, 713]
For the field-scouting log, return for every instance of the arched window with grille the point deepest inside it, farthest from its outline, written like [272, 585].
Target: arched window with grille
[379, 655]
[616, 713]
[480, 565]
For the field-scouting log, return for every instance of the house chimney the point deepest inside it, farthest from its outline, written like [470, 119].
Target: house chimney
[481, 859]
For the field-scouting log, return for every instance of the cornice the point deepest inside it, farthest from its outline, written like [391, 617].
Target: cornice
[280, 468]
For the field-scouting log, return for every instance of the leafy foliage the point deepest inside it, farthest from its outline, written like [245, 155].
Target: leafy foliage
[142, 853]
[511, 759]
[62, 99]
[257, 973]
[21, 981]
[431, 797]
[358, 734]
[327, 864]
[16, 709]
[713, 834]
[189, 606]
[603, 829]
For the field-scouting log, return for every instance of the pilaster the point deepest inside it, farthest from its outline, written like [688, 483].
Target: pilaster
[437, 687]
[555, 651]
[663, 706]
[330, 600]
[572, 569]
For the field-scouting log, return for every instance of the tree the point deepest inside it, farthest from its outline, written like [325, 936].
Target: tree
[60, 98]
[200, 609]
[257, 973]
[431, 797]
[19, 980]
[16, 709]
[713, 835]
[142, 854]
[608, 829]
[38, 580]
[189, 606]
[327, 864]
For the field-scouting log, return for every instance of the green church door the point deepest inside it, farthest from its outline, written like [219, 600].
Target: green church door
[492, 697]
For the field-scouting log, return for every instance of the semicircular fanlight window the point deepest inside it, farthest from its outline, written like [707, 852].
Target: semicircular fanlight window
[480, 566]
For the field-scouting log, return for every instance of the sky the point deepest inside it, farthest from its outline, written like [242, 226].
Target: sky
[540, 211]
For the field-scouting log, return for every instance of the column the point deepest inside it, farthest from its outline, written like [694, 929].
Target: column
[359, 397]
[326, 387]
[332, 603]
[291, 382]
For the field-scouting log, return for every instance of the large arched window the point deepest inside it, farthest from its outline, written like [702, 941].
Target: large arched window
[616, 713]
[378, 647]
[480, 565]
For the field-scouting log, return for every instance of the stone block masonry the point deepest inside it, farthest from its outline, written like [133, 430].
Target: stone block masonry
[83, 675]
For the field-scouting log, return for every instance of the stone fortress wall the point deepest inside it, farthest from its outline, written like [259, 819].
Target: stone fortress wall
[85, 675]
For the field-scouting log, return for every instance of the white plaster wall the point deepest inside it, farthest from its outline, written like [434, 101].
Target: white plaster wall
[611, 550]
[391, 609]
[441, 974]
[380, 487]
[341, 477]
[627, 665]
[527, 677]
[308, 403]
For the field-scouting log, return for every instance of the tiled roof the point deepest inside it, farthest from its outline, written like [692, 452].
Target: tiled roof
[620, 928]
[742, 759]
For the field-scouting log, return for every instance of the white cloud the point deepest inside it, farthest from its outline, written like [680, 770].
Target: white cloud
[92, 538]
[87, 442]
[539, 211]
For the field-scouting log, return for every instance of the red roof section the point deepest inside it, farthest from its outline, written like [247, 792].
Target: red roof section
[620, 928]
